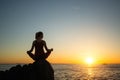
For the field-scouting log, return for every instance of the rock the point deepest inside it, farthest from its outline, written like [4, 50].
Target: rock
[39, 70]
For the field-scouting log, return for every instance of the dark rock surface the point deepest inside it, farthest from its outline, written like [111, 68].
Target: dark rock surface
[39, 70]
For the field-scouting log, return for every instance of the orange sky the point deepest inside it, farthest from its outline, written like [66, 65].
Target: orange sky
[75, 29]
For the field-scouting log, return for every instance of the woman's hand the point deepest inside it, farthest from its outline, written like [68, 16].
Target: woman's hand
[49, 50]
[28, 51]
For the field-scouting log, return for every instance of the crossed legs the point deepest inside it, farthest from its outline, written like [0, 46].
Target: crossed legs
[41, 56]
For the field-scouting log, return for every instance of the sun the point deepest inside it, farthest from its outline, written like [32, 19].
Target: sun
[89, 60]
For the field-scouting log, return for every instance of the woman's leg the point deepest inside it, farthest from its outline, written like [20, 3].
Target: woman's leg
[31, 55]
[47, 54]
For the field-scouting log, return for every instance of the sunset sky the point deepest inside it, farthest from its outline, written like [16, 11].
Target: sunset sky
[75, 29]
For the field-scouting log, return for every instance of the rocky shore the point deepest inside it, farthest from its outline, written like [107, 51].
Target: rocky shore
[39, 70]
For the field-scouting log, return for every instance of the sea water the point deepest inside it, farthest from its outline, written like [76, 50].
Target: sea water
[79, 72]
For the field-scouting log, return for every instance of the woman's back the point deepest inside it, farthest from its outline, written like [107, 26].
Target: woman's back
[39, 47]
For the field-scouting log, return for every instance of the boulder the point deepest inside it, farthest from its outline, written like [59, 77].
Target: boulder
[38, 70]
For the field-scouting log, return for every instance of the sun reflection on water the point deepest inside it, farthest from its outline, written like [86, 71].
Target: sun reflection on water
[90, 73]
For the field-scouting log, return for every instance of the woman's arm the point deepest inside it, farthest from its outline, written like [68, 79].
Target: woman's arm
[46, 48]
[32, 47]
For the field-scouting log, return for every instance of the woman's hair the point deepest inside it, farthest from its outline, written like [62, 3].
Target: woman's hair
[39, 34]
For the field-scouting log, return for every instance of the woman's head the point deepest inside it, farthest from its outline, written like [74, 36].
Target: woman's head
[39, 35]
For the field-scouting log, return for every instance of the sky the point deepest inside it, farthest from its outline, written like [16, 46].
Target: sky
[75, 29]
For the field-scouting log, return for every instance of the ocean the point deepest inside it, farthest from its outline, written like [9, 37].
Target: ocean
[80, 72]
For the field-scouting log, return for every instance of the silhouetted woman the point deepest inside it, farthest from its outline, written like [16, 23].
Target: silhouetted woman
[43, 67]
[39, 45]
